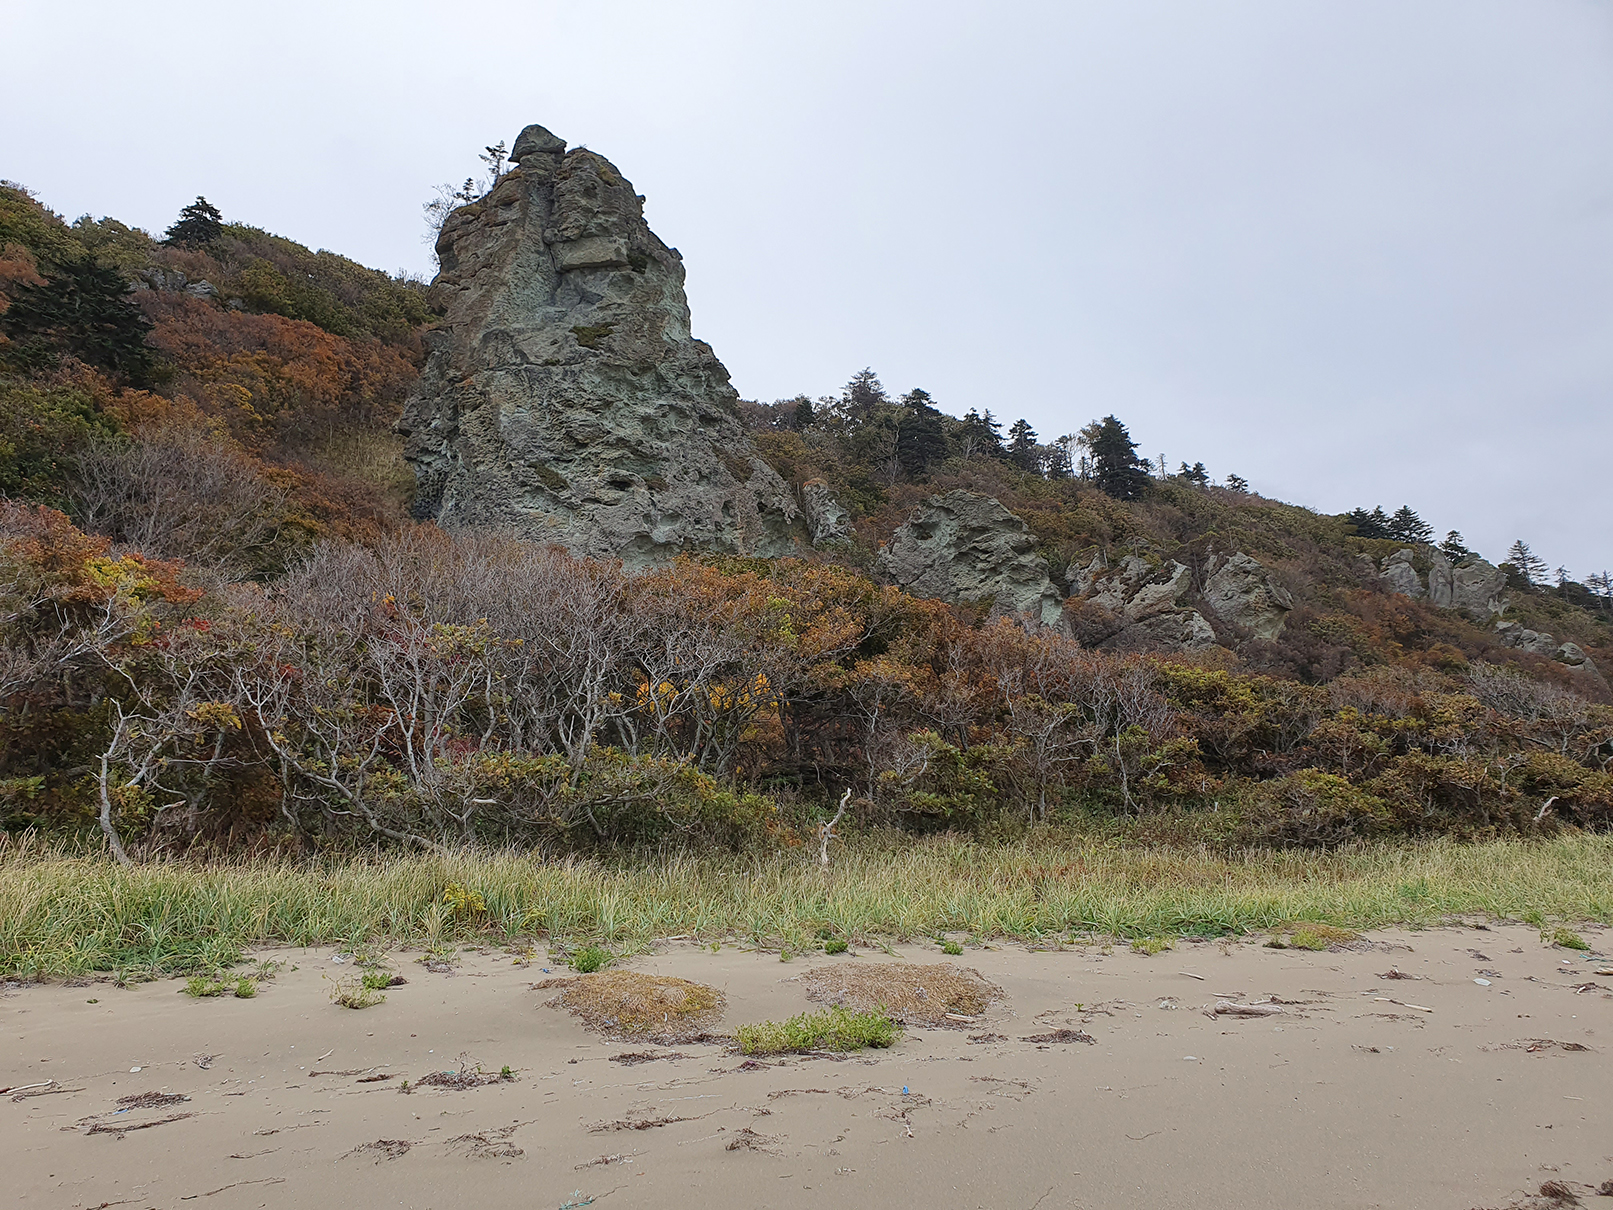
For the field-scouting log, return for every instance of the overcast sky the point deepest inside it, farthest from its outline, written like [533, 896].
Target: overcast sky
[1356, 252]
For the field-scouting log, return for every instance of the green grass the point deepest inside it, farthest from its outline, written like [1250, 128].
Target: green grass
[63, 913]
[827, 1029]
[589, 959]
[1566, 938]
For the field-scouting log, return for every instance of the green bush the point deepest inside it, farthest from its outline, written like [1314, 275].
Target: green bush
[590, 958]
[1311, 809]
[837, 1029]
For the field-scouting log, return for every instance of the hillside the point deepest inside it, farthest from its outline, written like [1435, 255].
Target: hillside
[221, 624]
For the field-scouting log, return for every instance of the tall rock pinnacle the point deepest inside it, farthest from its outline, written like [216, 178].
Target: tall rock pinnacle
[564, 398]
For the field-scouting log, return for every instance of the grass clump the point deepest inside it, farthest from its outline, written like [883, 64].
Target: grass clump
[200, 986]
[356, 993]
[951, 947]
[835, 947]
[630, 1004]
[1149, 946]
[1320, 937]
[590, 958]
[838, 1029]
[1567, 938]
[916, 995]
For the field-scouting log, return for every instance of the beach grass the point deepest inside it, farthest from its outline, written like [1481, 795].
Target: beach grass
[66, 913]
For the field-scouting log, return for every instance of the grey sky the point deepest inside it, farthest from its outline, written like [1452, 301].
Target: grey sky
[1357, 252]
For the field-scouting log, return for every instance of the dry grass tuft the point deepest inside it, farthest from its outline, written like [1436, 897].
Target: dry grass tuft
[630, 1004]
[913, 995]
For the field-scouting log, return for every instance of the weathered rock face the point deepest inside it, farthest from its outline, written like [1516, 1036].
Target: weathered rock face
[963, 547]
[1135, 606]
[1401, 576]
[826, 520]
[564, 397]
[1240, 592]
[1479, 587]
[1476, 586]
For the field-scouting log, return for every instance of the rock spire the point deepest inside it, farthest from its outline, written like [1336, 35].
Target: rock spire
[564, 397]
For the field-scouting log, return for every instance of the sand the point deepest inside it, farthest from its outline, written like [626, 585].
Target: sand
[1346, 1098]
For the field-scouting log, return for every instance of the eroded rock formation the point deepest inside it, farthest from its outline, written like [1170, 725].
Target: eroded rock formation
[1135, 606]
[1476, 586]
[564, 397]
[1239, 591]
[967, 548]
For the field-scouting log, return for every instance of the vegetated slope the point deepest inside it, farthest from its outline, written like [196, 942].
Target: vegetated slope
[228, 383]
[183, 660]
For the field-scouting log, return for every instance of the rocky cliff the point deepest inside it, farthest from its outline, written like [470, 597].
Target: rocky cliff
[564, 397]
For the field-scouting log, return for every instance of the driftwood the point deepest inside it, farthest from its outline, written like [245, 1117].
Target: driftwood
[1228, 1008]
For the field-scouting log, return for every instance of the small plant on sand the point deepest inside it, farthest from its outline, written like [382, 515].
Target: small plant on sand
[1149, 946]
[376, 980]
[464, 904]
[590, 958]
[199, 986]
[835, 947]
[1567, 938]
[355, 993]
[834, 1028]
[1308, 935]
[245, 988]
[951, 947]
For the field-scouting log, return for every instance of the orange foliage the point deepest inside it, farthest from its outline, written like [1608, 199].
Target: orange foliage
[265, 374]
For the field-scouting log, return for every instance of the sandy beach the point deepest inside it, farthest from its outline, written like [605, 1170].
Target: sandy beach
[1482, 1075]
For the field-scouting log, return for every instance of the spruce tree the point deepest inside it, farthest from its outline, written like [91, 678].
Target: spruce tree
[199, 225]
[920, 436]
[81, 311]
[1116, 469]
[1407, 526]
[1022, 447]
[981, 436]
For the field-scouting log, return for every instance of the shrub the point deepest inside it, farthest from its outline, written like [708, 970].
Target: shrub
[1311, 809]
[836, 1029]
[590, 959]
[951, 947]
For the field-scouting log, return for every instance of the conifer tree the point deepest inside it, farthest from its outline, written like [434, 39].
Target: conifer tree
[1022, 447]
[1530, 566]
[1407, 526]
[1116, 469]
[920, 437]
[981, 436]
[199, 224]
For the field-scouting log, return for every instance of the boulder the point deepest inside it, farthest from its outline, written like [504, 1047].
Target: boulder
[564, 397]
[1241, 592]
[1135, 606]
[1478, 587]
[1514, 634]
[1585, 671]
[965, 548]
[1174, 630]
[1401, 576]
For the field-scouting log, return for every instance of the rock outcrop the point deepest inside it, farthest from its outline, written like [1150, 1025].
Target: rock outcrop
[965, 548]
[564, 397]
[1239, 591]
[1401, 576]
[1135, 606]
[1571, 655]
[1475, 586]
